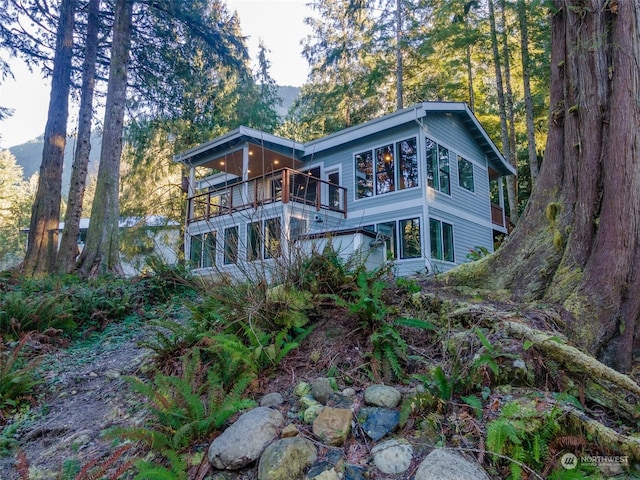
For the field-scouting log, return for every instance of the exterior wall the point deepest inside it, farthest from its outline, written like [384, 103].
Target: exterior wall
[469, 213]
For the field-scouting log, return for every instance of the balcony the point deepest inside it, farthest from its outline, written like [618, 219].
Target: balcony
[284, 185]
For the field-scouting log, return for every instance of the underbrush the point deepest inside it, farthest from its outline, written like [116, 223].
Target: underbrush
[476, 389]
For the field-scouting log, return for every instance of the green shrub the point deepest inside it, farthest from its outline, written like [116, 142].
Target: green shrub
[17, 375]
[21, 313]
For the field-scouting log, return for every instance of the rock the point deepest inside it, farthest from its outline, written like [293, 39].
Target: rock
[303, 388]
[322, 471]
[382, 396]
[354, 472]
[286, 459]
[289, 431]
[349, 392]
[447, 465]
[271, 400]
[339, 401]
[244, 441]
[112, 374]
[311, 413]
[378, 422]
[392, 456]
[333, 425]
[321, 389]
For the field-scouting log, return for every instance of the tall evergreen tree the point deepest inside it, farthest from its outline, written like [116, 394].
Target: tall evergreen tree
[576, 244]
[43, 229]
[101, 252]
[68, 244]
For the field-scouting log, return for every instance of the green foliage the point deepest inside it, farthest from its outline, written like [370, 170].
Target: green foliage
[188, 408]
[523, 433]
[389, 350]
[8, 440]
[366, 303]
[161, 282]
[17, 375]
[477, 253]
[408, 284]
[21, 313]
[321, 272]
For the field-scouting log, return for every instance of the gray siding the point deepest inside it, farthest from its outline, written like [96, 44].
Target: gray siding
[466, 236]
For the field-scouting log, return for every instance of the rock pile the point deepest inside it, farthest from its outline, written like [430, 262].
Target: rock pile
[306, 438]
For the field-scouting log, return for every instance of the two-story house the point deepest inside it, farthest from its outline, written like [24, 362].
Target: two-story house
[418, 181]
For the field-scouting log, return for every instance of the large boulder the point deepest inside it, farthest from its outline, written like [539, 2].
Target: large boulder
[286, 459]
[447, 465]
[245, 440]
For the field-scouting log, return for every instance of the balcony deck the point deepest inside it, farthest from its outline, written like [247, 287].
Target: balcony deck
[284, 185]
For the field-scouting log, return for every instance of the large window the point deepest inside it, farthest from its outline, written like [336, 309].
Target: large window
[231, 245]
[410, 245]
[437, 167]
[203, 250]
[364, 174]
[441, 235]
[408, 154]
[386, 168]
[410, 237]
[465, 174]
[264, 239]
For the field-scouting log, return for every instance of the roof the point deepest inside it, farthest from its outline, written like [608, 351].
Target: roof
[234, 139]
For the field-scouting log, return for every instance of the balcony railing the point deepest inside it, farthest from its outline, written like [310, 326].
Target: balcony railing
[285, 185]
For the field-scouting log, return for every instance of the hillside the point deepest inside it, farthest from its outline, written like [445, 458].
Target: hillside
[171, 364]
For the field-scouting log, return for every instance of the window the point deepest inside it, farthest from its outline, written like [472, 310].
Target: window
[408, 155]
[364, 174]
[396, 168]
[273, 238]
[410, 244]
[385, 170]
[334, 190]
[441, 235]
[203, 250]
[297, 227]
[465, 174]
[254, 241]
[195, 254]
[388, 229]
[437, 166]
[231, 245]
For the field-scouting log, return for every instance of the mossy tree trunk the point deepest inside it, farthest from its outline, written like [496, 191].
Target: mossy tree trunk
[577, 243]
[101, 253]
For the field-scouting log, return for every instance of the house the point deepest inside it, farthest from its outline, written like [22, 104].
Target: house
[419, 181]
[139, 238]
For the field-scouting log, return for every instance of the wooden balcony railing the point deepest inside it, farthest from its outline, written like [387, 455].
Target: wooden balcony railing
[285, 185]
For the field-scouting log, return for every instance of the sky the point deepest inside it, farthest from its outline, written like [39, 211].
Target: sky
[279, 23]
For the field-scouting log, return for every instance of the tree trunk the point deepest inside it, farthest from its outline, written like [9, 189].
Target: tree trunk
[67, 252]
[101, 253]
[504, 131]
[577, 244]
[399, 72]
[526, 86]
[45, 213]
[511, 119]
